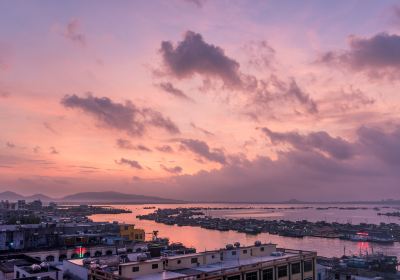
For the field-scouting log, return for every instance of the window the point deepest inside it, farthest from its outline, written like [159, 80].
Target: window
[194, 260]
[268, 274]
[213, 256]
[235, 277]
[233, 253]
[308, 266]
[251, 276]
[17, 276]
[295, 268]
[154, 266]
[282, 271]
[135, 269]
[262, 249]
[179, 261]
[244, 251]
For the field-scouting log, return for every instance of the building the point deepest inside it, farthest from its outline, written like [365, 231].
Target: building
[257, 262]
[131, 233]
[9, 262]
[38, 271]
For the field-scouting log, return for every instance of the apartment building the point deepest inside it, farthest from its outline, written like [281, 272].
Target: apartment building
[257, 262]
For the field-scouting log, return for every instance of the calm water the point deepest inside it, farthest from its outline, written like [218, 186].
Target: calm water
[204, 239]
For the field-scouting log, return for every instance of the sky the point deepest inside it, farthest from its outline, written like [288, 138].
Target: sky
[201, 100]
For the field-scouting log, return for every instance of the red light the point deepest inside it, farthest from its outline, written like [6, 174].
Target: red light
[362, 233]
[80, 251]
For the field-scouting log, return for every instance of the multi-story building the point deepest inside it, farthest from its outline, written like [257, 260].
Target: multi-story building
[257, 262]
[57, 235]
[129, 232]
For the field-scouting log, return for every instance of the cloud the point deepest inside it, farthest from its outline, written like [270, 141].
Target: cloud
[128, 145]
[53, 151]
[131, 163]
[125, 117]
[384, 145]
[165, 149]
[10, 145]
[193, 55]
[169, 88]
[378, 56]
[197, 3]
[203, 150]
[4, 94]
[206, 132]
[315, 141]
[302, 173]
[72, 32]
[272, 94]
[49, 127]
[260, 54]
[345, 100]
[142, 148]
[124, 144]
[173, 170]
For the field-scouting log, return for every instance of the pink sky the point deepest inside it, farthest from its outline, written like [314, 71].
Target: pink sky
[201, 100]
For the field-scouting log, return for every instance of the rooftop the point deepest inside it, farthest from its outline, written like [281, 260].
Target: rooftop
[217, 268]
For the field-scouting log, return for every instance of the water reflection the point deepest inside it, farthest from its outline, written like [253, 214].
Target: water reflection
[204, 239]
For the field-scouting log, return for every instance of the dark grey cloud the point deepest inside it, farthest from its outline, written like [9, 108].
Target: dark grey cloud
[302, 97]
[142, 148]
[202, 149]
[125, 144]
[172, 90]
[378, 55]
[128, 145]
[173, 170]
[321, 141]
[73, 33]
[384, 145]
[131, 163]
[165, 149]
[121, 116]
[193, 55]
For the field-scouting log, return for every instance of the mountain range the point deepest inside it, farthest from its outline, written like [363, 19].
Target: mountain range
[90, 197]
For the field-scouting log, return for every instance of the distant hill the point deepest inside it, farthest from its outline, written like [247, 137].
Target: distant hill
[114, 197]
[12, 196]
[39, 196]
[90, 197]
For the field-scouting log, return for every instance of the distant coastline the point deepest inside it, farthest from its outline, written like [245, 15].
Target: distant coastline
[117, 198]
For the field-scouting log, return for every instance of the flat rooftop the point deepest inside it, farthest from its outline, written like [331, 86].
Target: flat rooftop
[225, 265]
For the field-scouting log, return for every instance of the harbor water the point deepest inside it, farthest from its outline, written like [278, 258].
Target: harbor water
[206, 239]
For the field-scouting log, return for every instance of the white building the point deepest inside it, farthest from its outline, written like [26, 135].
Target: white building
[257, 262]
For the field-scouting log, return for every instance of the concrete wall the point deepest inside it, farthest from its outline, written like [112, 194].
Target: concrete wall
[144, 268]
[78, 271]
[54, 274]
